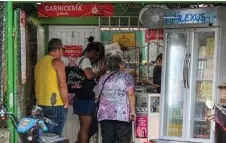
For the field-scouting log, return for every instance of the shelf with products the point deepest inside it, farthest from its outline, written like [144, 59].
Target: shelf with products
[201, 112]
[177, 118]
[200, 101]
[200, 80]
[155, 104]
[207, 48]
[205, 69]
[201, 120]
[205, 57]
[175, 128]
[177, 113]
[203, 90]
[202, 130]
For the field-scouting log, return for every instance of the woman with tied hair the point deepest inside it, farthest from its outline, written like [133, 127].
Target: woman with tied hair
[93, 67]
[84, 100]
[115, 92]
[101, 61]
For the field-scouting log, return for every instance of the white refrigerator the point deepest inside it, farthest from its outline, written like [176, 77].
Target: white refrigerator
[194, 64]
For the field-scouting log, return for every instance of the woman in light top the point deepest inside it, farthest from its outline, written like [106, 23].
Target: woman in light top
[115, 92]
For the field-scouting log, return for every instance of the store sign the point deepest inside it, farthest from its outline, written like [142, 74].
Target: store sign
[141, 127]
[72, 51]
[153, 35]
[190, 16]
[23, 46]
[124, 39]
[75, 10]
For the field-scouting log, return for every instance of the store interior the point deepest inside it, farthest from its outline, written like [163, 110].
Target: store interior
[191, 55]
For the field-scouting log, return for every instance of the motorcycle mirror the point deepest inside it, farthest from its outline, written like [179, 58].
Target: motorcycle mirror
[37, 112]
[209, 104]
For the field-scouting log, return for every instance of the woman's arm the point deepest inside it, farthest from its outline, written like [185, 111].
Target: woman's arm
[90, 74]
[87, 69]
[131, 96]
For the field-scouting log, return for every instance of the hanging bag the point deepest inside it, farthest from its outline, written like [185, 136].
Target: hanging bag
[78, 83]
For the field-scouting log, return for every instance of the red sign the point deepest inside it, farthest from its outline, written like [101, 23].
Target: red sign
[75, 10]
[72, 51]
[153, 35]
[22, 18]
[141, 127]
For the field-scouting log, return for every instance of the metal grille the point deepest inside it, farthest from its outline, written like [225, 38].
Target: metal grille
[3, 124]
[26, 97]
[31, 52]
[20, 87]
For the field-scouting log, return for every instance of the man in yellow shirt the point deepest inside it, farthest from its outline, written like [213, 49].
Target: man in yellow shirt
[50, 86]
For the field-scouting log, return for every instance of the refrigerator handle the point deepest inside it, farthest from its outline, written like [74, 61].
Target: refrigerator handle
[184, 71]
[188, 68]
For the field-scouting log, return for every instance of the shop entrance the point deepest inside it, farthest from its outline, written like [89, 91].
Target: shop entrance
[73, 35]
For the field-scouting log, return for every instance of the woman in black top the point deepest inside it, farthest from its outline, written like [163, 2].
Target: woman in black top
[96, 65]
[84, 100]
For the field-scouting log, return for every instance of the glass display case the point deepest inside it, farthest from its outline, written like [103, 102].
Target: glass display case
[204, 49]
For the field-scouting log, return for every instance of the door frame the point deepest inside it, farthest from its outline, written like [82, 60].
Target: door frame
[192, 32]
[162, 105]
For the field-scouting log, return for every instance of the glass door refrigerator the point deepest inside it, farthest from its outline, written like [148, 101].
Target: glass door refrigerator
[194, 65]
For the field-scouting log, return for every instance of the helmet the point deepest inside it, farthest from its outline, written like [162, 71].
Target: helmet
[37, 112]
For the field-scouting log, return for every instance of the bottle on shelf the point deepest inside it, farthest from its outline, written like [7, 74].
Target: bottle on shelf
[174, 129]
[180, 130]
[170, 129]
[212, 46]
[208, 47]
[196, 130]
[153, 108]
[177, 130]
[198, 91]
[202, 51]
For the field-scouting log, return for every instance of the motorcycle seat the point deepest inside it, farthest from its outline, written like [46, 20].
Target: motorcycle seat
[51, 138]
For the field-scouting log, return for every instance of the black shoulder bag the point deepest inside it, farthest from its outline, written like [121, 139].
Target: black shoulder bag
[78, 83]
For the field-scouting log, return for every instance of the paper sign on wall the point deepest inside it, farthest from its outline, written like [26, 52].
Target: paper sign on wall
[141, 127]
[72, 51]
[23, 46]
[124, 39]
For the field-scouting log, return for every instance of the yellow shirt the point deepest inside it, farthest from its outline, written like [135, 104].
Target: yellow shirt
[46, 82]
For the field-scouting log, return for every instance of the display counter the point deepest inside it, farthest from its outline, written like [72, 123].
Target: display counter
[148, 116]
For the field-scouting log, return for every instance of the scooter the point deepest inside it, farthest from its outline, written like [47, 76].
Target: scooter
[33, 129]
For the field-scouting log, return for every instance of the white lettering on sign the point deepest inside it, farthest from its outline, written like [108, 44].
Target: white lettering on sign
[72, 51]
[63, 8]
[11, 99]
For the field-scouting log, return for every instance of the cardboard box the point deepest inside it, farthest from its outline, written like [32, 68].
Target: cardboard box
[222, 93]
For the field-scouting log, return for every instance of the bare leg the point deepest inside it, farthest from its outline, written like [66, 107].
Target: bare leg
[85, 122]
